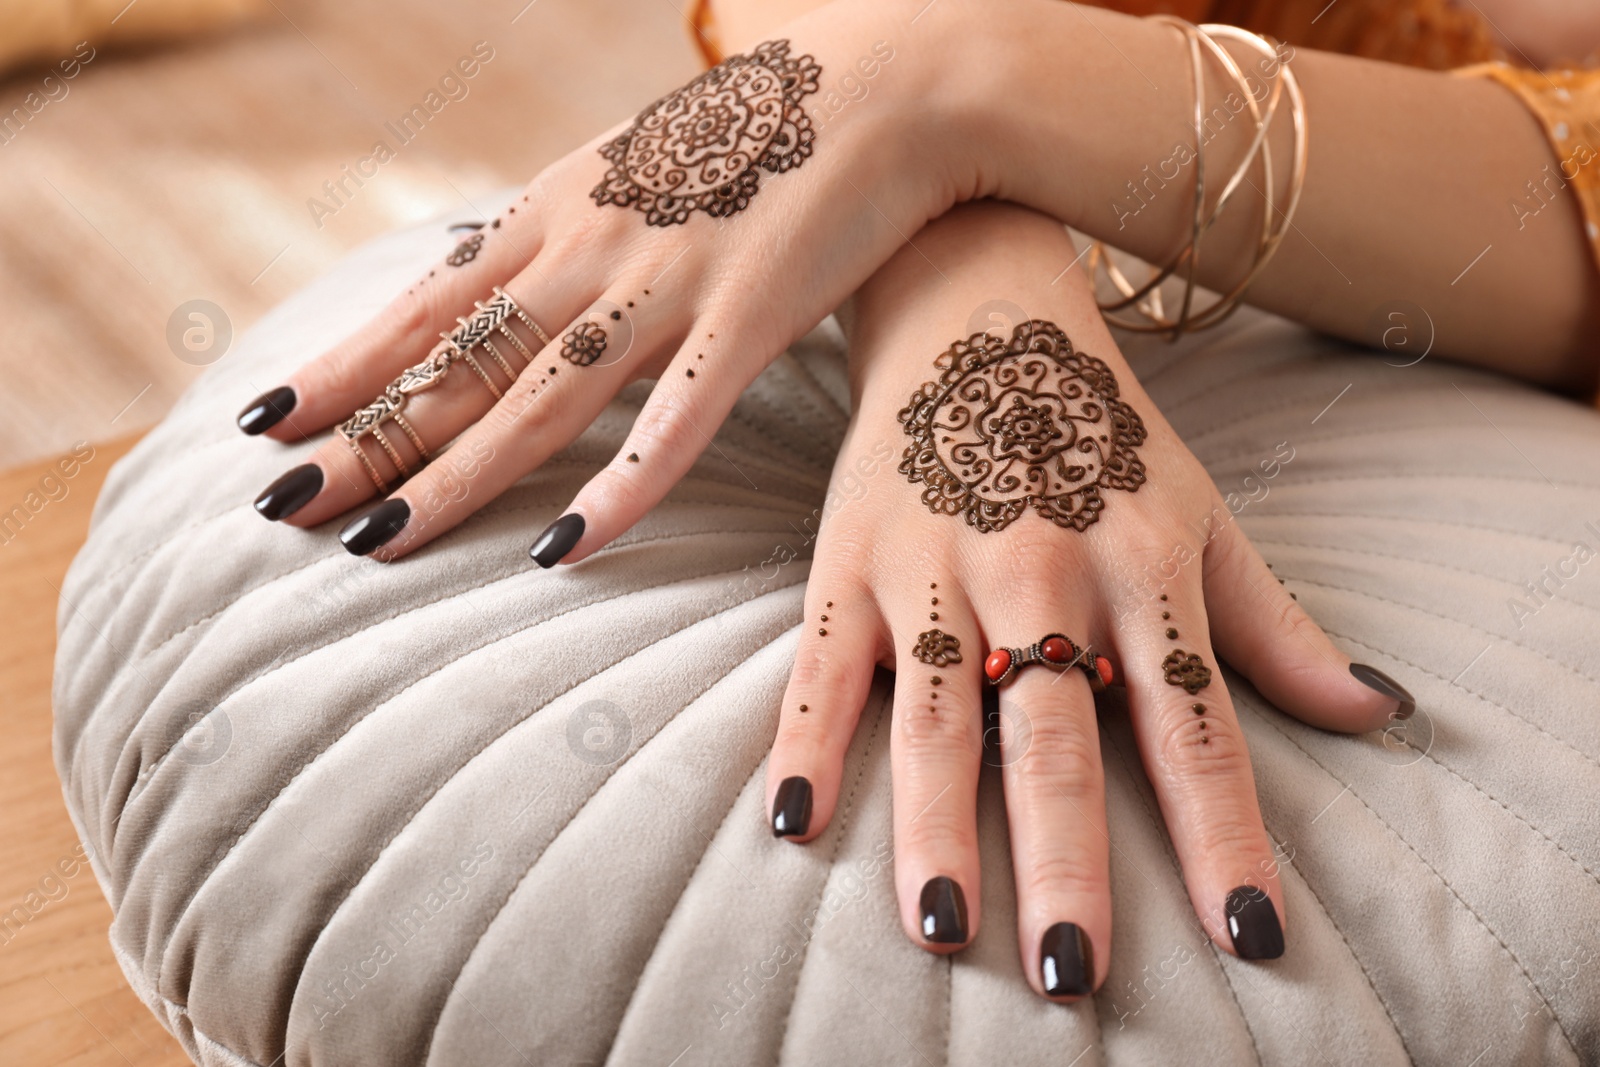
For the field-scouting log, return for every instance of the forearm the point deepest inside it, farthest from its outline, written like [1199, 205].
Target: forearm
[1410, 177]
[1409, 189]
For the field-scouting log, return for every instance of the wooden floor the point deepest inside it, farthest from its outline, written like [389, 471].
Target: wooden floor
[184, 174]
[62, 998]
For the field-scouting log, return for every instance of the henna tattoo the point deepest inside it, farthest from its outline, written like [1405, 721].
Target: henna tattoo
[1187, 670]
[938, 648]
[1172, 633]
[583, 344]
[702, 147]
[1199, 709]
[466, 251]
[1020, 422]
[804, 709]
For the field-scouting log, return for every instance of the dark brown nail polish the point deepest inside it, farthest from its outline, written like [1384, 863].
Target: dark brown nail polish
[1253, 924]
[376, 528]
[1066, 961]
[267, 410]
[1373, 678]
[944, 912]
[557, 540]
[791, 808]
[290, 493]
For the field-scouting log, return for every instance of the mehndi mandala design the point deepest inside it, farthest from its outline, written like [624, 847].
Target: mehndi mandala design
[699, 148]
[937, 648]
[1187, 670]
[1021, 422]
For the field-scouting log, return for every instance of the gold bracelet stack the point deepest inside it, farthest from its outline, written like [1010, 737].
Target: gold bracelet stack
[1146, 300]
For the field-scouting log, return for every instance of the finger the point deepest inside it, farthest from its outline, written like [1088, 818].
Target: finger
[832, 672]
[1055, 804]
[1263, 632]
[1195, 754]
[935, 756]
[326, 390]
[559, 395]
[694, 395]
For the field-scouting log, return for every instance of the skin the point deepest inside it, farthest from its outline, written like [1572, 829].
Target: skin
[877, 556]
[1057, 108]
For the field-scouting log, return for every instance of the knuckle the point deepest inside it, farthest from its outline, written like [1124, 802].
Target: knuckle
[938, 735]
[1059, 755]
[940, 829]
[660, 423]
[1201, 751]
[818, 666]
[1064, 869]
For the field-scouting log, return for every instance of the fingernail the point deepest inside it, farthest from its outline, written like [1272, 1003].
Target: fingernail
[1373, 678]
[267, 410]
[557, 540]
[944, 912]
[1066, 961]
[791, 808]
[1253, 924]
[376, 527]
[290, 493]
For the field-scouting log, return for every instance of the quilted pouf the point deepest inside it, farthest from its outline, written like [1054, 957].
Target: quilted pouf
[460, 810]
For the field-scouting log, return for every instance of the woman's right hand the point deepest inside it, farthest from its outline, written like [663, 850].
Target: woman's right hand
[690, 246]
[1039, 492]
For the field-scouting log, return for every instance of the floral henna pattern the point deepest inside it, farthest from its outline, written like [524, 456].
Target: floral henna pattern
[1022, 422]
[584, 343]
[1187, 670]
[699, 148]
[466, 251]
[937, 648]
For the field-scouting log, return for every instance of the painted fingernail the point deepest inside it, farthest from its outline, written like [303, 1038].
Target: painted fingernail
[791, 808]
[1253, 924]
[290, 493]
[557, 540]
[376, 527]
[1066, 961]
[1373, 678]
[944, 912]
[267, 410]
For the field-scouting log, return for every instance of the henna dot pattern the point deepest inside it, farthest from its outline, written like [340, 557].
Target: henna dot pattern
[1199, 709]
[822, 633]
[583, 344]
[1171, 633]
[703, 147]
[1019, 423]
[1187, 670]
[937, 648]
[1166, 614]
[633, 457]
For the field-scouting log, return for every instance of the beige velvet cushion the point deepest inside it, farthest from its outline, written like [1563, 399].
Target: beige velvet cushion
[461, 810]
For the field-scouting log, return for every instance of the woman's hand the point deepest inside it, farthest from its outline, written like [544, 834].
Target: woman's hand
[1040, 492]
[691, 246]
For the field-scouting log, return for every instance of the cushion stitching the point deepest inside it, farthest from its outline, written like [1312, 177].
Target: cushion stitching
[1177, 868]
[620, 542]
[845, 812]
[1409, 518]
[1449, 619]
[264, 809]
[555, 836]
[1431, 869]
[1559, 741]
[1306, 882]
[1404, 559]
[344, 637]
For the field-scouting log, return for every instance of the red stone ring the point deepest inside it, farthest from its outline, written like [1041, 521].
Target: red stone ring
[1052, 650]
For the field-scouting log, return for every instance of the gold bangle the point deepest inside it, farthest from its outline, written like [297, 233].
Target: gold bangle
[1146, 300]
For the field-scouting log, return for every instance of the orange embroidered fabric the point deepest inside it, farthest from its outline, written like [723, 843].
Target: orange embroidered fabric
[1422, 33]
[1567, 104]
